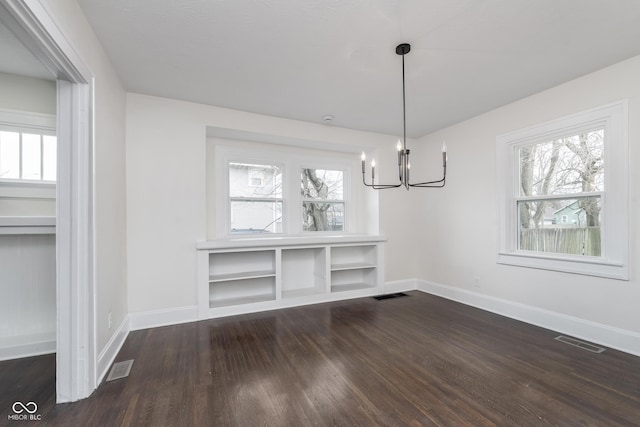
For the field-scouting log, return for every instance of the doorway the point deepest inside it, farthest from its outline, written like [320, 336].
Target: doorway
[75, 284]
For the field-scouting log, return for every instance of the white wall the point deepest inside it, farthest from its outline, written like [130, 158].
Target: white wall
[28, 289]
[166, 195]
[34, 96]
[460, 241]
[27, 94]
[109, 132]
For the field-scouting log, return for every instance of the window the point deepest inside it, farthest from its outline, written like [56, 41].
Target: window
[255, 196]
[263, 189]
[27, 156]
[561, 179]
[28, 148]
[563, 188]
[322, 200]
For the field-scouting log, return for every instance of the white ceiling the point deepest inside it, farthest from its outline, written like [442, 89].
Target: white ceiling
[16, 59]
[304, 59]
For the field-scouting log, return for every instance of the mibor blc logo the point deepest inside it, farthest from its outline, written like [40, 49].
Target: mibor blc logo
[24, 412]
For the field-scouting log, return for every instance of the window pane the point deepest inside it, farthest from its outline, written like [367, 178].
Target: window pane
[567, 226]
[564, 166]
[259, 181]
[31, 156]
[317, 216]
[49, 158]
[10, 155]
[253, 217]
[322, 184]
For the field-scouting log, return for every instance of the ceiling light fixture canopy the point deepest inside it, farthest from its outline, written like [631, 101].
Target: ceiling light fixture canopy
[404, 165]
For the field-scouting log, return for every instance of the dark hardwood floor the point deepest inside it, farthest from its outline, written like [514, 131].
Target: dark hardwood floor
[410, 361]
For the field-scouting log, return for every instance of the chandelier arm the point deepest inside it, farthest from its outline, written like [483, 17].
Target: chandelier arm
[379, 186]
[432, 184]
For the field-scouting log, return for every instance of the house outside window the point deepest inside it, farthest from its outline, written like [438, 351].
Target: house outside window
[255, 198]
[564, 194]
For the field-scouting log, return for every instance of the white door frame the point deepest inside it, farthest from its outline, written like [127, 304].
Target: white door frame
[76, 359]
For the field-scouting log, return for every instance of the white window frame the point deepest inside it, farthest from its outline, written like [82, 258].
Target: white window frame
[27, 122]
[613, 262]
[291, 162]
[228, 199]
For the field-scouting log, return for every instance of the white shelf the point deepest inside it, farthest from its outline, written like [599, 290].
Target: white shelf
[241, 300]
[352, 266]
[240, 276]
[27, 225]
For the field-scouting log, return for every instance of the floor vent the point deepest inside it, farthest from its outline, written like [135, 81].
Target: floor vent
[120, 370]
[388, 296]
[581, 344]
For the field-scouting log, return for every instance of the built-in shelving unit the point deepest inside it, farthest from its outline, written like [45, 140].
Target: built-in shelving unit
[245, 275]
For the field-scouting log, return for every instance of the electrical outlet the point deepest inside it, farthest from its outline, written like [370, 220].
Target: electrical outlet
[109, 320]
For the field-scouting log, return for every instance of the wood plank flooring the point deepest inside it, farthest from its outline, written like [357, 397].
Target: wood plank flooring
[412, 361]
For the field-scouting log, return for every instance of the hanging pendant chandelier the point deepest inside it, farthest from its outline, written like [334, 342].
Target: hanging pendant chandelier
[404, 165]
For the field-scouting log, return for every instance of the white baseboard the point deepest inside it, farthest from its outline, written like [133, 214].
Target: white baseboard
[110, 351]
[400, 286]
[608, 336]
[28, 346]
[163, 317]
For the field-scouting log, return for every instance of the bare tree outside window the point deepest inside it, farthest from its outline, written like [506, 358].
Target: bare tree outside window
[561, 182]
[322, 200]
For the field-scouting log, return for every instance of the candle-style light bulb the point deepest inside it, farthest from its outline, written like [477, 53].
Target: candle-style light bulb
[373, 170]
[444, 154]
[363, 157]
[399, 145]
[373, 163]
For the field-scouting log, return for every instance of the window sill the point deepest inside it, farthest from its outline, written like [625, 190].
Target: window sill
[244, 242]
[27, 189]
[589, 266]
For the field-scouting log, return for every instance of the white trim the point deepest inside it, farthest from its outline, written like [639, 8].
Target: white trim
[24, 189]
[27, 121]
[404, 285]
[614, 262]
[288, 240]
[111, 350]
[609, 336]
[27, 225]
[163, 317]
[28, 346]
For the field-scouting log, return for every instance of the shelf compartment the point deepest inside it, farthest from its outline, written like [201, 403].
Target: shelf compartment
[352, 255]
[241, 265]
[353, 279]
[304, 272]
[240, 300]
[242, 291]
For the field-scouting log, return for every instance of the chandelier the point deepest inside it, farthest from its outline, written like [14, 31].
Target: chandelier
[404, 165]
